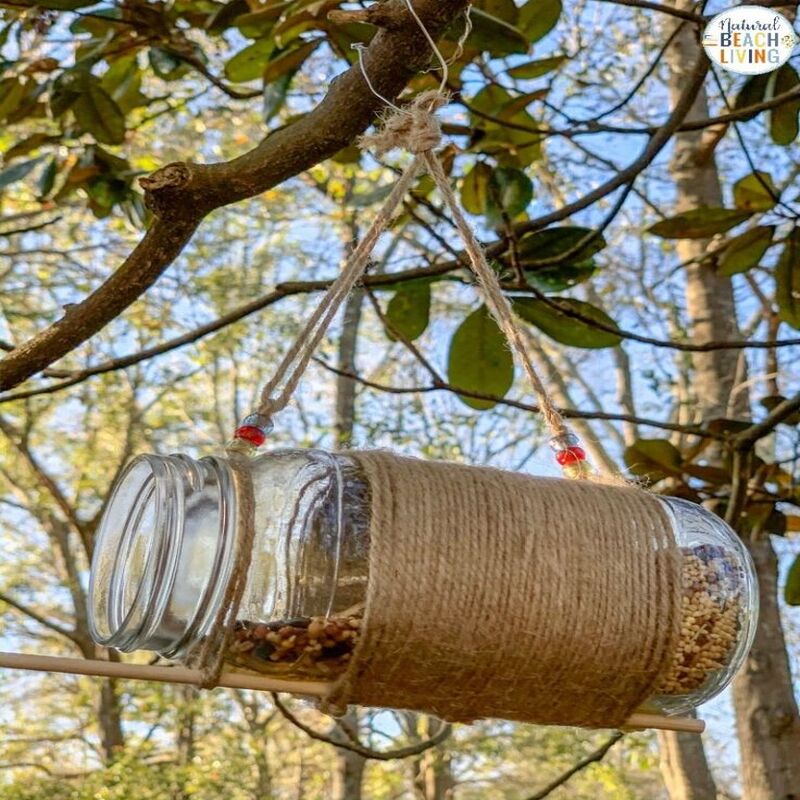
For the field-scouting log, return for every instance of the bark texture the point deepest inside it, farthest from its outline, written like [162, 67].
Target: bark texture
[348, 771]
[432, 773]
[180, 195]
[684, 767]
[108, 715]
[766, 712]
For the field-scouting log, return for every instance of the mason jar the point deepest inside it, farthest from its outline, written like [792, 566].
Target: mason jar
[719, 608]
[165, 552]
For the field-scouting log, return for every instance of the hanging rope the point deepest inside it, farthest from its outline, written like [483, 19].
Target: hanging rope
[416, 129]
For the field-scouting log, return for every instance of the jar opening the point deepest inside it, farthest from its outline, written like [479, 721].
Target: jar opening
[163, 552]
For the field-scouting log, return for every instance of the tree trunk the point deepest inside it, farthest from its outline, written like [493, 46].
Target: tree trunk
[349, 772]
[766, 710]
[709, 296]
[712, 312]
[684, 767]
[110, 720]
[346, 387]
[186, 712]
[349, 769]
[765, 706]
[263, 774]
[433, 776]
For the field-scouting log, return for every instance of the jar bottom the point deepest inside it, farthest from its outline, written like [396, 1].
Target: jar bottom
[309, 648]
[712, 607]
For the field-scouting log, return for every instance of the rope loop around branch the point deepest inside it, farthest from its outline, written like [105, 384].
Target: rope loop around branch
[415, 127]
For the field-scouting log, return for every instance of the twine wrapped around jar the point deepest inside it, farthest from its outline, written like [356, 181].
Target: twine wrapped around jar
[493, 594]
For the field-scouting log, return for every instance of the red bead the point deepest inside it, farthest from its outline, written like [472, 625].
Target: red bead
[571, 455]
[250, 433]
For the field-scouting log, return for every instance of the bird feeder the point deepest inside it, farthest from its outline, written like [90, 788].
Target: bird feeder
[460, 591]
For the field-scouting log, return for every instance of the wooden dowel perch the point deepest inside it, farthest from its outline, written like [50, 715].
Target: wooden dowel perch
[236, 680]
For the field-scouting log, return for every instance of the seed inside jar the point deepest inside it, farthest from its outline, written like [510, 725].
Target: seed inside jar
[711, 608]
[303, 647]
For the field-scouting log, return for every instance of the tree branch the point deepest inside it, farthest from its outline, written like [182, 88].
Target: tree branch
[286, 289]
[592, 758]
[680, 13]
[365, 752]
[782, 411]
[569, 413]
[39, 618]
[182, 194]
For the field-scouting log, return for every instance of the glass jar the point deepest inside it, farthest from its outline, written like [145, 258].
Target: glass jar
[165, 551]
[719, 608]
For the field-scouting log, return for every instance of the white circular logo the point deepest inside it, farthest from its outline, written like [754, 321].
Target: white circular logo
[749, 40]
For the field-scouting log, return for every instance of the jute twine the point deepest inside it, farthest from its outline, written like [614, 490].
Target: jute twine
[494, 594]
[209, 654]
[416, 129]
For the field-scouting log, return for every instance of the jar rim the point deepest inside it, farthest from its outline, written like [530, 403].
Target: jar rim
[138, 550]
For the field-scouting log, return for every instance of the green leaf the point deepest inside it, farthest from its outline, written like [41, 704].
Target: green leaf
[505, 10]
[26, 145]
[374, 193]
[97, 113]
[554, 319]
[699, 223]
[166, 64]
[12, 92]
[290, 61]
[752, 92]
[510, 190]
[791, 592]
[99, 23]
[538, 17]
[653, 459]
[479, 359]
[787, 281]
[746, 250]
[553, 242]
[724, 426]
[248, 64]
[259, 24]
[275, 94]
[66, 89]
[348, 155]
[490, 100]
[475, 188]
[16, 172]
[409, 310]
[123, 81]
[494, 35]
[535, 69]
[558, 278]
[225, 15]
[784, 125]
[511, 146]
[104, 193]
[47, 178]
[755, 192]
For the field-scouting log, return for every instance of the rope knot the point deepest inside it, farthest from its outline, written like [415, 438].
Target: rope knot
[414, 127]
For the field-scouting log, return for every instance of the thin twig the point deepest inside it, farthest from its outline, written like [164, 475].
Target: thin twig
[592, 758]
[569, 413]
[365, 752]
